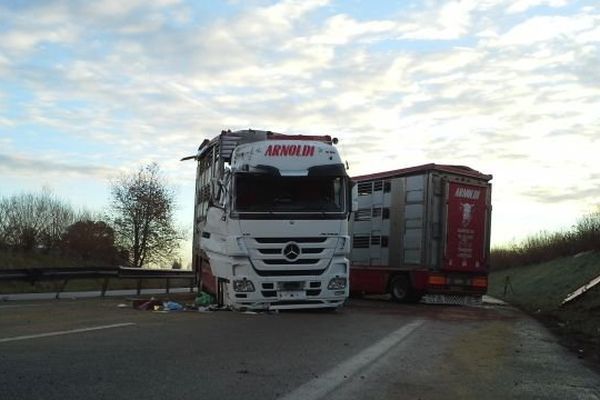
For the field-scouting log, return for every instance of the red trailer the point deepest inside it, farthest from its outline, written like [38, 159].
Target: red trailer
[422, 230]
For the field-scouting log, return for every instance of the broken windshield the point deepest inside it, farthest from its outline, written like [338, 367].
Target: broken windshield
[269, 193]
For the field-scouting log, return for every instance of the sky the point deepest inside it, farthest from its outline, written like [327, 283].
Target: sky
[92, 90]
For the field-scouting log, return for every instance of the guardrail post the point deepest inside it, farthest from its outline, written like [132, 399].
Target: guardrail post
[508, 286]
[139, 286]
[104, 286]
[59, 288]
[168, 289]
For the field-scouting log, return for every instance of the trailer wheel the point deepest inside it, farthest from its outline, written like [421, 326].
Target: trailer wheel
[400, 288]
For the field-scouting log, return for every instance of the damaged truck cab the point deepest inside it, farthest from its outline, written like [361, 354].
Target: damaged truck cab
[271, 220]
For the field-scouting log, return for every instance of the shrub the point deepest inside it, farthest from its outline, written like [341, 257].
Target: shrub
[546, 246]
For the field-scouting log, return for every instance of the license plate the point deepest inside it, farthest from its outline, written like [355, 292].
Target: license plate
[291, 286]
[291, 294]
[459, 281]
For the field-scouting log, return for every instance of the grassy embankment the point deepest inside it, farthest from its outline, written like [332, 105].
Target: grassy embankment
[9, 260]
[543, 269]
[540, 289]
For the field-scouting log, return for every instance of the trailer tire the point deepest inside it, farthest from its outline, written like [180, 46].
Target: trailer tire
[400, 289]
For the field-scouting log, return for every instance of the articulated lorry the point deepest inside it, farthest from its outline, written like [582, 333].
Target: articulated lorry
[271, 220]
[422, 231]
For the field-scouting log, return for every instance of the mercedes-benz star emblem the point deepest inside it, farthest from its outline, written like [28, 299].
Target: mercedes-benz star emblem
[291, 251]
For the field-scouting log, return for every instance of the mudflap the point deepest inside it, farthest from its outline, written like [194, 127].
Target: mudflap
[451, 299]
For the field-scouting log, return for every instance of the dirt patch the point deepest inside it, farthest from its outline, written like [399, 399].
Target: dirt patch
[570, 335]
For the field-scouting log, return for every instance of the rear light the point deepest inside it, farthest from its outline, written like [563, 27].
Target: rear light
[480, 282]
[436, 280]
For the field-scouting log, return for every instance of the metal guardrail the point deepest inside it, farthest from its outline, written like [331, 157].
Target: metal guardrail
[125, 272]
[63, 275]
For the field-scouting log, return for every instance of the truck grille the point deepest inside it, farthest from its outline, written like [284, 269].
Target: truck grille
[310, 255]
[303, 261]
[292, 239]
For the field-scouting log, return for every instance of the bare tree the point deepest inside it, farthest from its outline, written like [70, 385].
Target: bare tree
[142, 216]
[33, 220]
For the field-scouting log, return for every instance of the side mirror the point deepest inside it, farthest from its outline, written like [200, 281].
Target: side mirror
[354, 197]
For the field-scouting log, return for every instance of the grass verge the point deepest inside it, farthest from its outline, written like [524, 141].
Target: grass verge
[539, 290]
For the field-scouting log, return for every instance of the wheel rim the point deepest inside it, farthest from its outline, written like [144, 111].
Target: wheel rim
[399, 291]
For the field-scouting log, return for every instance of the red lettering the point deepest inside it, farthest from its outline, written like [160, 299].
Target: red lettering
[308, 151]
[290, 150]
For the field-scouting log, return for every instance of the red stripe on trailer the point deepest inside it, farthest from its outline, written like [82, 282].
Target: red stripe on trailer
[369, 280]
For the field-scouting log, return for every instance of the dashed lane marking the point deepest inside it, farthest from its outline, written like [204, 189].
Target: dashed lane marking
[318, 388]
[69, 332]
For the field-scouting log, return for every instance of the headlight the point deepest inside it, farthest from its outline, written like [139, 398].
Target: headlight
[243, 285]
[337, 283]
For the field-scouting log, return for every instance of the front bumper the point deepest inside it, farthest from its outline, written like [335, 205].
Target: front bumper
[287, 293]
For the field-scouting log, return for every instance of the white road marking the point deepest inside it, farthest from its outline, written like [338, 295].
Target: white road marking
[59, 333]
[19, 305]
[319, 387]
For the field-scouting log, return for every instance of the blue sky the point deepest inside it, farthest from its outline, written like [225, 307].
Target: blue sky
[89, 90]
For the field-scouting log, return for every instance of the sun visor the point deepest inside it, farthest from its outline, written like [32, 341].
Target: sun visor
[327, 170]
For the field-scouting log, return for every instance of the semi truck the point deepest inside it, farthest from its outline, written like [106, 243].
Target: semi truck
[271, 220]
[422, 233]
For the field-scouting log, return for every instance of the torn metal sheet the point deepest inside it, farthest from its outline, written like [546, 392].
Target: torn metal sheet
[573, 295]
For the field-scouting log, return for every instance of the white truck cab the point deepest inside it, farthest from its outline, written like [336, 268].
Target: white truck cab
[271, 220]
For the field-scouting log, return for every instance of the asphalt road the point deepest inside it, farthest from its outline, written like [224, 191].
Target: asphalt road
[371, 349]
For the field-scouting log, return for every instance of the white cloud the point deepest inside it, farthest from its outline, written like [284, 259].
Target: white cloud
[546, 28]
[520, 6]
[28, 39]
[453, 20]
[341, 29]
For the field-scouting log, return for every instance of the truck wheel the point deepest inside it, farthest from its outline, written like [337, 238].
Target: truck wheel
[400, 289]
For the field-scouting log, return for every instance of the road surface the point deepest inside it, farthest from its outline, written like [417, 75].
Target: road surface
[371, 349]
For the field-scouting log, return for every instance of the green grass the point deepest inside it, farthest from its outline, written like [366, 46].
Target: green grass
[540, 289]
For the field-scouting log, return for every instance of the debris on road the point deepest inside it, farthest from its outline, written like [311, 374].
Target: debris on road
[167, 306]
[122, 305]
[146, 304]
[172, 306]
[204, 299]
